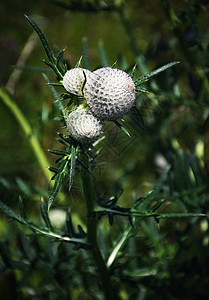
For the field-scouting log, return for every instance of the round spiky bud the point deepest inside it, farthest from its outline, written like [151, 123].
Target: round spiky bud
[110, 93]
[83, 126]
[74, 80]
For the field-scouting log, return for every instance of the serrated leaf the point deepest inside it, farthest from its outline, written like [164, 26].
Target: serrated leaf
[145, 78]
[45, 215]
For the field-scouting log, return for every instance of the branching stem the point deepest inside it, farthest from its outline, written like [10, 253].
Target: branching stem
[92, 235]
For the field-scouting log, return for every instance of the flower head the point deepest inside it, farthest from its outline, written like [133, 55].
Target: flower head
[74, 79]
[83, 126]
[110, 93]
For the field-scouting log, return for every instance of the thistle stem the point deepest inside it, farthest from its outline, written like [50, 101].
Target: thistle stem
[92, 236]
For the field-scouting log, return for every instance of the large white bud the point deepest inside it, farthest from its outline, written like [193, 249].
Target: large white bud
[74, 79]
[83, 126]
[110, 93]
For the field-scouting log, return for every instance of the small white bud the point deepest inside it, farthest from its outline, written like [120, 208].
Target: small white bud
[83, 126]
[110, 93]
[74, 79]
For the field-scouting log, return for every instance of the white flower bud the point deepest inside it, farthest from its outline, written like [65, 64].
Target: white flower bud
[110, 93]
[83, 126]
[74, 79]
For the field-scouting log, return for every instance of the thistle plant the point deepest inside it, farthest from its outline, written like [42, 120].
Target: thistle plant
[92, 100]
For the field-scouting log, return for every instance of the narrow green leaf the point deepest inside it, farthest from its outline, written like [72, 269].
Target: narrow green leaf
[180, 215]
[56, 188]
[79, 62]
[141, 90]
[63, 171]
[54, 170]
[58, 152]
[56, 96]
[139, 201]
[86, 61]
[53, 63]
[22, 209]
[10, 213]
[55, 83]
[69, 224]
[5, 255]
[166, 216]
[103, 55]
[45, 215]
[60, 55]
[72, 166]
[133, 71]
[157, 205]
[114, 64]
[33, 69]
[122, 128]
[43, 39]
[145, 78]
[25, 245]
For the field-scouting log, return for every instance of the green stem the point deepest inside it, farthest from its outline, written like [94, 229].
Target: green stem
[28, 132]
[92, 236]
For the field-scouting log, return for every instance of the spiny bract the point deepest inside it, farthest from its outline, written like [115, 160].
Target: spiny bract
[83, 126]
[109, 93]
[74, 80]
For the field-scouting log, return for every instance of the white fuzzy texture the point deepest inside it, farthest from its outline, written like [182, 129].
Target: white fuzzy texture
[74, 79]
[83, 126]
[110, 93]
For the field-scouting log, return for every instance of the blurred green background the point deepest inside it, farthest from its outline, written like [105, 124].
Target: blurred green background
[173, 123]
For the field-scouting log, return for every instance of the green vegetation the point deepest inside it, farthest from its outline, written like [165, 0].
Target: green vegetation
[127, 216]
